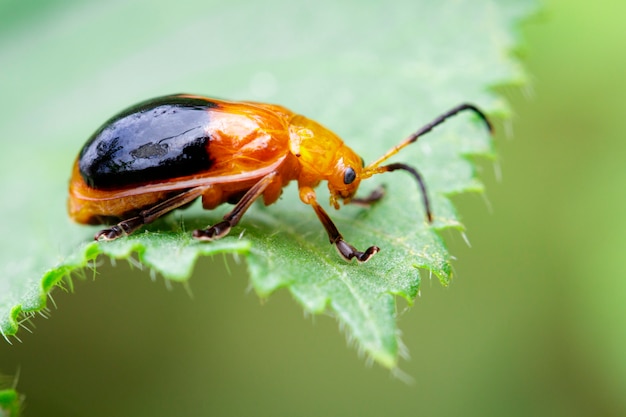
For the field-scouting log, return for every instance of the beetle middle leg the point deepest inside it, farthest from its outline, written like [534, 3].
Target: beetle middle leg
[346, 250]
[149, 215]
[231, 219]
[375, 196]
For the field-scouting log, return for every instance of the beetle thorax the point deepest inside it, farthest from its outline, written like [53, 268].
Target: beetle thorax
[322, 155]
[315, 147]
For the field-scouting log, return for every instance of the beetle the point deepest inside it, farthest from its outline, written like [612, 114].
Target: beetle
[164, 153]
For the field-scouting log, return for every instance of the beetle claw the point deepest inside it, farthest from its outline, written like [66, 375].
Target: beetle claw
[347, 251]
[214, 232]
[109, 234]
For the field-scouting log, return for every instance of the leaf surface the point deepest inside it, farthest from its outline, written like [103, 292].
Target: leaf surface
[10, 403]
[373, 73]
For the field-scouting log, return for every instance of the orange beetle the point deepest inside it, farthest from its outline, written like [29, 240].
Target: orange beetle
[164, 153]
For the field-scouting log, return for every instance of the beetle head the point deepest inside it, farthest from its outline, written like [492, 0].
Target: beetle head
[345, 176]
[322, 155]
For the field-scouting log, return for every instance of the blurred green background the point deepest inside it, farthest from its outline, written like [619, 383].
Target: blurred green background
[533, 324]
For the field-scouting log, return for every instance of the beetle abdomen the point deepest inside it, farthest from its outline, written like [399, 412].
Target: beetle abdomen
[158, 139]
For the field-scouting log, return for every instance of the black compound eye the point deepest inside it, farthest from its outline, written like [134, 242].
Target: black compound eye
[349, 176]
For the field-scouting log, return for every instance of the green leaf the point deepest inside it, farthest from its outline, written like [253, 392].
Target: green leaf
[10, 403]
[372, 72]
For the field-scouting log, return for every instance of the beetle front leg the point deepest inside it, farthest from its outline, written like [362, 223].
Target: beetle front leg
[149, 215]
[346, 250]
[374, 197]
[222, 228]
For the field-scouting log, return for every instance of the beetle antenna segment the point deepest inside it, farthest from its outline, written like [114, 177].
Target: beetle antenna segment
[369, 170]
[418, 178]
[375, 168]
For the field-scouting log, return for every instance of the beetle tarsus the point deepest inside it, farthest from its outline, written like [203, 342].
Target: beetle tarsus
[214, 232]
[347, 251]
[123, 228]
[109, 234]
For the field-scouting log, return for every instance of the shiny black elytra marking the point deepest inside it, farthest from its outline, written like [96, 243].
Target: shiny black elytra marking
[154, 140]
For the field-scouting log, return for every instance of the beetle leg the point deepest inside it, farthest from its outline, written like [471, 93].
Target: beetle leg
[346, 250]
[149, 215]
[374, 197]
[222, 228]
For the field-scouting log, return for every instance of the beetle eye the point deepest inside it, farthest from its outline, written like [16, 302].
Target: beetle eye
[349, 176]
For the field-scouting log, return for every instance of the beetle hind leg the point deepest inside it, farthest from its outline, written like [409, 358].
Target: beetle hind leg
[128, 226]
